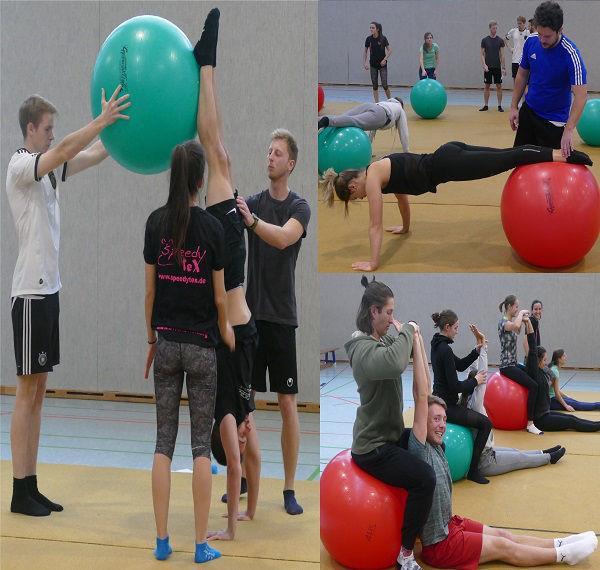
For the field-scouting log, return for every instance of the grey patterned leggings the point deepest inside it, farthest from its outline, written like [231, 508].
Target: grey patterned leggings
[199, 365]
[368, 117]
[382, 72]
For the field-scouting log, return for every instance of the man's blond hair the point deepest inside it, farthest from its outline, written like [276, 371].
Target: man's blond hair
[284, 134]
[32, 110]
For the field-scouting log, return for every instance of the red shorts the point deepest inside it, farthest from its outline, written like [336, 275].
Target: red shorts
[461, 550]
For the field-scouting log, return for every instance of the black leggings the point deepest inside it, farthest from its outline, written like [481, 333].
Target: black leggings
[455, 161]
[521, 377]
[471, 419]
[395, 466]
[556, 421]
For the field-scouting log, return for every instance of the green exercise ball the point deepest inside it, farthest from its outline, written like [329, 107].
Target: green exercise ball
[459, 450]
[588, 126]
[428, 98]
[153, 60]
[343, 148]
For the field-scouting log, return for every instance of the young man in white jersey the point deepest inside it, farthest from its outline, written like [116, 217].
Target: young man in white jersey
[32, 190]
[515, 39]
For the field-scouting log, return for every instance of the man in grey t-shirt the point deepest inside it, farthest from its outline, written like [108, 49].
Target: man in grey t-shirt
[457, 542]
[492, 61]
[277, 220]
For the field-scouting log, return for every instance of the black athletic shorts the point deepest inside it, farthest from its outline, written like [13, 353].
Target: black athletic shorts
[535, 130]
[494, 75]
[277, 354]
[515, 69]
[234, 374]
[229, 215]
[35, 331]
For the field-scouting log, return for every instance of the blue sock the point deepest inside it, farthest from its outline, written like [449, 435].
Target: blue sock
[163, 550]
[205, 553]
[291, 505]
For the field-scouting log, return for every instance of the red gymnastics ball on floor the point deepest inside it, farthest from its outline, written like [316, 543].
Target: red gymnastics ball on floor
[551, 213]
[321, 98]
[361, 517]
[505, 402]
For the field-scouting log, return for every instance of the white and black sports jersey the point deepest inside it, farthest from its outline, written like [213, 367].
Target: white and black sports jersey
[34, 203]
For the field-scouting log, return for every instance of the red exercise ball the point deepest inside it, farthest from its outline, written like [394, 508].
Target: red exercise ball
[361, 517]
[551, 213]
[505, 402]
[321, 98]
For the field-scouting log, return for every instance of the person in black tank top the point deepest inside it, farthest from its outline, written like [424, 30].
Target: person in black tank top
[406, 174]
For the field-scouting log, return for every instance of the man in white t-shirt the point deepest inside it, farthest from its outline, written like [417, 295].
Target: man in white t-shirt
[32, 190]
[516, 38]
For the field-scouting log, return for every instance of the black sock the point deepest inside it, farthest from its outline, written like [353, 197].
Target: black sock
[551, 449]
[243, 490]
[291, 505]
[41, 499]
[323, 122]
[556, 455]
[477, 477]
[23, 503]
[578, 157]
[205, 51]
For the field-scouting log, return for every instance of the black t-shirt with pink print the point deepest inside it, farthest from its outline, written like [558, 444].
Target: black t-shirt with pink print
[184, 309]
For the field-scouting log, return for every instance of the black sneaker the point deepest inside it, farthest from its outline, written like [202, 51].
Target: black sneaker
[484, 108]
[500, 109]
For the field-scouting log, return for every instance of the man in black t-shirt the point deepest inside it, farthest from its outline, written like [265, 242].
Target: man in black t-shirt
[378, 48]
[277, 220]
[492, 60]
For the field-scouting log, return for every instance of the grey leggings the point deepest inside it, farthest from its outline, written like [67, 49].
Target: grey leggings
[505, 459]
[199, 365]
[383, 73]
[368, 117]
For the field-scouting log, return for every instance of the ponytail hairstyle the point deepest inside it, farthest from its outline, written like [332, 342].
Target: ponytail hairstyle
[557, 355]
[376, 295]
[540, 351]
[510, 300]
[379, 28]
[333, 183]
[446, 317]
[187, 172]
[425, 42]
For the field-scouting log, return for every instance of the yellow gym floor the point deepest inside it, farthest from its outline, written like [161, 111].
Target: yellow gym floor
[108, 523]
[549, 501]
[456, 230]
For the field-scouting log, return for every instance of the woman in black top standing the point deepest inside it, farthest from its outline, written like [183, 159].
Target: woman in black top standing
[447, 386]
[186, 311]
[406, 173]
[378, 48]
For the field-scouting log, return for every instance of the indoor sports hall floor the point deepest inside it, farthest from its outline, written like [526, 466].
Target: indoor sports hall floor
[95, 458]
[549, 501]
[456, 230]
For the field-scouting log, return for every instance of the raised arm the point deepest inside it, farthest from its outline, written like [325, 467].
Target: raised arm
[91, 156]
[515, 326]
[68, 148]
[420, 390]
[386, 362]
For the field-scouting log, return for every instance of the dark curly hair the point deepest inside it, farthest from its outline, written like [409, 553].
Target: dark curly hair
[549, 15]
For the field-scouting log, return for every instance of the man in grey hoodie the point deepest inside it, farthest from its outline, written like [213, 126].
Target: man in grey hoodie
[377, 361]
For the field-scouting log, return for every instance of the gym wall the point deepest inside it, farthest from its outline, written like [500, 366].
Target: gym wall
[457, 27]
[265, 81]
[571, 318]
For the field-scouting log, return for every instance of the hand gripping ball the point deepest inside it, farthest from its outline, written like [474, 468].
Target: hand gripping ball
[551, 213]
[361, 517]
[153, 61]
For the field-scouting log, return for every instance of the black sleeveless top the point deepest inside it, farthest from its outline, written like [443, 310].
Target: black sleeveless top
[410, 174]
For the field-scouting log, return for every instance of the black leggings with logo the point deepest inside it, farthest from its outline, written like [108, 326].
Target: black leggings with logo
[395, 466]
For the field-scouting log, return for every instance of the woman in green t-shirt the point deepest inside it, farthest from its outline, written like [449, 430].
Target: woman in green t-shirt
[429, 57]
[558, 399]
